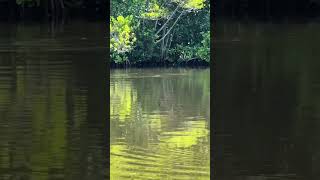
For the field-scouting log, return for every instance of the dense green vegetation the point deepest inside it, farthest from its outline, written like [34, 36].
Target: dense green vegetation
[159, 31]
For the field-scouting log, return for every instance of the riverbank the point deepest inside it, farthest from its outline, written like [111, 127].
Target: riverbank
[164, 64]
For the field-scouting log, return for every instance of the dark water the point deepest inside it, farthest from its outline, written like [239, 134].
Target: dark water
[267, 123]
[52, 82]
[160, 124]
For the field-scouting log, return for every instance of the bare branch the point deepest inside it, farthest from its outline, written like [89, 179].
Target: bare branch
[170, 28]
[167, 20]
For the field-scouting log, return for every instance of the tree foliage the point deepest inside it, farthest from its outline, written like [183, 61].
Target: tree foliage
[165, 30]
[122, 38]
[155, 12]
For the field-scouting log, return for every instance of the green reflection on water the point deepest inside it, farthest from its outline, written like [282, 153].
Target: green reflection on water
[52, 113]
[160, 124]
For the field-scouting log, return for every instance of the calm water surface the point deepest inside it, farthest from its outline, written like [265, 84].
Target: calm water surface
[267, 119]
[160, 124]
[52, 121]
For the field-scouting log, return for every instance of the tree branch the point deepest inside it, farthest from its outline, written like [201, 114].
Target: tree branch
[167, 20]
[170, 28]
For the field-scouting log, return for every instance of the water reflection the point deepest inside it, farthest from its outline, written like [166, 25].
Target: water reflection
[267, 101]
[51, 110]
[160, 121]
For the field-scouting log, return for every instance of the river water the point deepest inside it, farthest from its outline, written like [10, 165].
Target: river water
[160, 124]
[267, 100]
[52, 101]
[53, 108]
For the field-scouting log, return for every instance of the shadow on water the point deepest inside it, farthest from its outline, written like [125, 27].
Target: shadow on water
[267, 101]
[52, 102]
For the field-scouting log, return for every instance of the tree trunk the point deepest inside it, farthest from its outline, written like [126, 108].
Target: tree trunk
[162, 44]
[166, 46]
[170, 41]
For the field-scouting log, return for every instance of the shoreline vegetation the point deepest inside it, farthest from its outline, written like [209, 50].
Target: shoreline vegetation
[160, 33]
[161, 64]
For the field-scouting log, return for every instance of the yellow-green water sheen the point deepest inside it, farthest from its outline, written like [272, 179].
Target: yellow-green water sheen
[160, 121]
